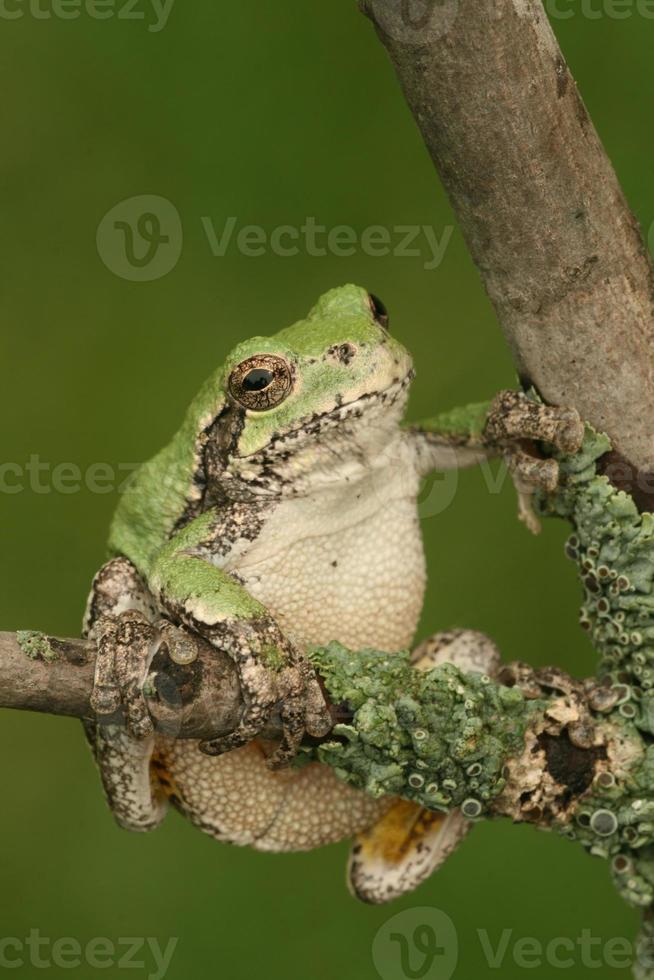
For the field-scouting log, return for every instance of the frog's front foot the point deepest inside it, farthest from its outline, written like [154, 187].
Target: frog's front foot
[275, 680]
[126, 644]
[514, 427]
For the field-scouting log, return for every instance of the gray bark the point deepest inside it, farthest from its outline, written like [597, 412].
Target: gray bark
[540, 207]
[200, 700]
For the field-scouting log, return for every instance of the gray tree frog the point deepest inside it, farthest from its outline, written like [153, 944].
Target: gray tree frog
[284, 514]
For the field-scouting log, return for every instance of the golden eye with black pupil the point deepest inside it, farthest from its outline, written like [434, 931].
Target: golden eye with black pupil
[379, 311]
[261, 382]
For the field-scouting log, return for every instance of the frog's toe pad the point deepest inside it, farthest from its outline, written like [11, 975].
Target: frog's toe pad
[401, 850]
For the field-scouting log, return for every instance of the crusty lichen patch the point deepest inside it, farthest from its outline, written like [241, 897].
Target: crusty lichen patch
[36, 645]
[613, 547]
[439, 737]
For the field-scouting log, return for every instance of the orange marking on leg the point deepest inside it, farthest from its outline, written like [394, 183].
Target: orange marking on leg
[398, 831]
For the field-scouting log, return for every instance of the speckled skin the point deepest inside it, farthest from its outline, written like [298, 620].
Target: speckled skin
[266, 531]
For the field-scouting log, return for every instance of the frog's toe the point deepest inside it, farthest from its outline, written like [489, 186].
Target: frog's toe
[293, 730]
[303, 711]
[218, 746]
[125, 646]
[467, 649]
[530, 472]
[317, 716]
[291, 694]
[251, 725]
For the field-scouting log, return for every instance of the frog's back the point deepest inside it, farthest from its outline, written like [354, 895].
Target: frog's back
[167, 487]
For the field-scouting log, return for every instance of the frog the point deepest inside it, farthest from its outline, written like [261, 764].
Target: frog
[283, 515]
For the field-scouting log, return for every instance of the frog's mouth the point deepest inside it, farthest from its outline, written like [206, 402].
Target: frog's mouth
[365, 407]
[383, 399]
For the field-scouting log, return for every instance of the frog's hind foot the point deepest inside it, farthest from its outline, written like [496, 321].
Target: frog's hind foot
[126, 645]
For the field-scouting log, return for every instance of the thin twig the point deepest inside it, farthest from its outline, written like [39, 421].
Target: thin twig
[41, 673]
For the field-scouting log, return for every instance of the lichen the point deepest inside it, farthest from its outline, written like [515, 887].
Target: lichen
[439, 737]
[613, 548]
[616, 822]
[36, 645]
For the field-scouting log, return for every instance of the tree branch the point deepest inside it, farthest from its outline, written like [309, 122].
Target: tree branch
[534, 746]
[42, 673]
[539, 205]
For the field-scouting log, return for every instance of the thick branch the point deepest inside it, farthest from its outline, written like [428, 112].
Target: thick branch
[560, 254]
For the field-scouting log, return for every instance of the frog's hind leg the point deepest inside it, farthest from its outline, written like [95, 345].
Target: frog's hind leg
[401, 850]
[237, 798]
[409, 842]
[118, 615]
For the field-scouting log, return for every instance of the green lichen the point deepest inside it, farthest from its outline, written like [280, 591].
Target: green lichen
[615, 821]
[273, 657]
[439, 737]
[35, 645]
[613, 547]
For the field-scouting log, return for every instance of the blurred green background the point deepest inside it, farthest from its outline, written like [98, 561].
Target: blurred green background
[269, 112]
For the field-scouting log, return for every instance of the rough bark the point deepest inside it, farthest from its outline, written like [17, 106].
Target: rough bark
[540, 207]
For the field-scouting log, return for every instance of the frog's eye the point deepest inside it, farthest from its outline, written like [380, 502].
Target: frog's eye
[379, 311]
[261, 382]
